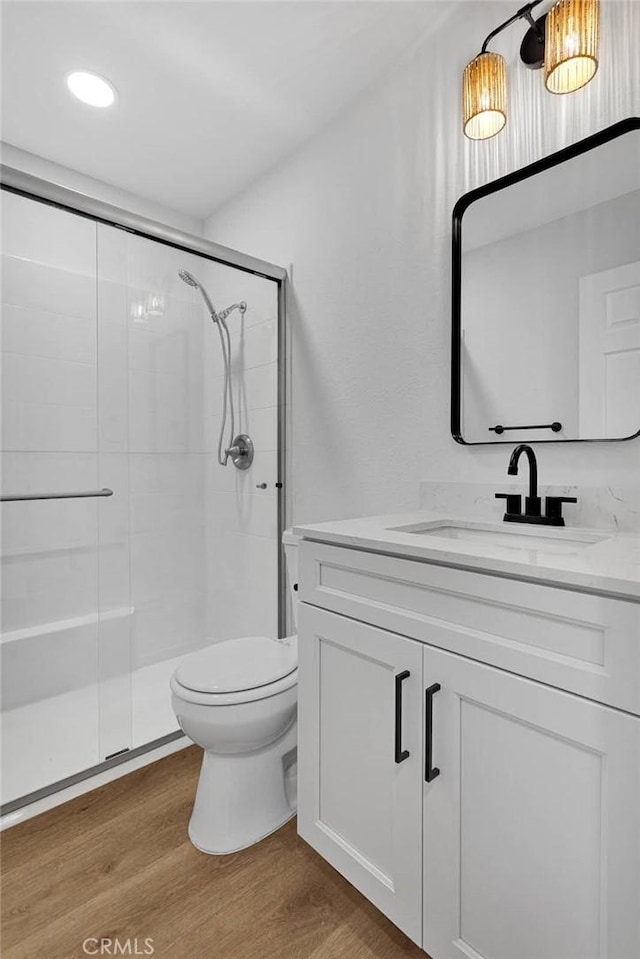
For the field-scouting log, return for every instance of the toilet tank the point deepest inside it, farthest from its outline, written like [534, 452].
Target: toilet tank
[290, 543]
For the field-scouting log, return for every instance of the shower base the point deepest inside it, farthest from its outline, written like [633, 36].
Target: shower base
[52, 739]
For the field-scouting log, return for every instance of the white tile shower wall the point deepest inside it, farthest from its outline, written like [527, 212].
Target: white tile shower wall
[49, 393]
[49, 408]
[50, 572]
[38, 233]
[150, 427]
[191, 521]
[242, 535]
[50, 641]
[168, 557]
[363, 212]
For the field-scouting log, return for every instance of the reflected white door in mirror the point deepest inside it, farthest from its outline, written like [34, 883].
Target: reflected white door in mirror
[609, 350]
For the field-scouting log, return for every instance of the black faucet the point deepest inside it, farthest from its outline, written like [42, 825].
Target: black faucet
[532, 503]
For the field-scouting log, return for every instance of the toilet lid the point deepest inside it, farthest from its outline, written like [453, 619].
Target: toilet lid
[238, 664]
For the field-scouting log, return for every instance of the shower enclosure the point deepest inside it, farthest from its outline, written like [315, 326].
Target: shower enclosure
[125, 545]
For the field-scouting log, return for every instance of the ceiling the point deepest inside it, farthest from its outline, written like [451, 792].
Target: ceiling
[210, 94]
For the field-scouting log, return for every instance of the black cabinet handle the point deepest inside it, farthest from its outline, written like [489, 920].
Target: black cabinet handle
[430, 771]
[400, 754]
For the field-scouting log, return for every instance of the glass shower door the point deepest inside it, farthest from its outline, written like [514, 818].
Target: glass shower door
[112, 379]
[50, 548]
[203, 539]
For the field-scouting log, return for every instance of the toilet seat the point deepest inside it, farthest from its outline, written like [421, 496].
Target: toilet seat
[236, 665]
[238, 671]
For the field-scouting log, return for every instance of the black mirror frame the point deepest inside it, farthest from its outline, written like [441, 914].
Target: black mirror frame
[576, 149]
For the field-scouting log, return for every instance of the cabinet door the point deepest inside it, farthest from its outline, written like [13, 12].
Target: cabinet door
[360, 794]
[532, 827]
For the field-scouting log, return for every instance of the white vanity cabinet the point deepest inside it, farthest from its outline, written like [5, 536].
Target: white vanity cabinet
[525, 843]
[531, 833]
[359, 807]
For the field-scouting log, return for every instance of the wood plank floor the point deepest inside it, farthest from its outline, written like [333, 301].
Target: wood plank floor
[117, 863]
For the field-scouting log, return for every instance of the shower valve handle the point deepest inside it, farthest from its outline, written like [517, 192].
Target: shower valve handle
[241, 451]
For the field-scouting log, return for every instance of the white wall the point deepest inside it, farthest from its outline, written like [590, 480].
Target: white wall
[363, 214]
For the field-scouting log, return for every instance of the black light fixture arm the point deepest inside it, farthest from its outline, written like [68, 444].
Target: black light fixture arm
[524, 13]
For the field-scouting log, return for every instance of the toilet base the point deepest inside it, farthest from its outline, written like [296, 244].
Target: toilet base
[243, 798]
[246, 845]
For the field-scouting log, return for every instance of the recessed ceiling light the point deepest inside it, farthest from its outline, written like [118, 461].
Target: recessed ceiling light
[91, 89]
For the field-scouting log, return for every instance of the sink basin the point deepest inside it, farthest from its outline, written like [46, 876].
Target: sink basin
[552, 540]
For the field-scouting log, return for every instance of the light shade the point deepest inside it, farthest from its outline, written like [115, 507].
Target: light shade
[91, 89]
[484, 96]
[571, 45]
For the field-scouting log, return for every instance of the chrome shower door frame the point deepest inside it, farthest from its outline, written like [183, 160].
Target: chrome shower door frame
[24, 184]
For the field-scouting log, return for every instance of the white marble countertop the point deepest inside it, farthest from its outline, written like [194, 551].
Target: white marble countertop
[603, 561]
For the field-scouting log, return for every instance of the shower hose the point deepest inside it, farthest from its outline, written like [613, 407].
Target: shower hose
[227, 393]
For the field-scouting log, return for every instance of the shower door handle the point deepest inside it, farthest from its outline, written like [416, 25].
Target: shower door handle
[82, 494]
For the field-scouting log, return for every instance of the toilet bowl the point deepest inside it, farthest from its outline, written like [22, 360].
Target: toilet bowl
[237, 699]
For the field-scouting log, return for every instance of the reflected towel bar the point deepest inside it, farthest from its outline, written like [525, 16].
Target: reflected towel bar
[83, 494]
[556, 427]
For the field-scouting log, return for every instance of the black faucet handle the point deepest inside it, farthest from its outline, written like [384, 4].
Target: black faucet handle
[532, 506]
[514, 503]
[553, 507]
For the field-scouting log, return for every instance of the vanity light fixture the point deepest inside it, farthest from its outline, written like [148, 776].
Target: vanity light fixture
[571, 45]
[564, 41]
[91, 89]
[484, 94]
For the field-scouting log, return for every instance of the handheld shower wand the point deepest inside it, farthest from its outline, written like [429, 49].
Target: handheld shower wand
[240, 448]
[190, 280]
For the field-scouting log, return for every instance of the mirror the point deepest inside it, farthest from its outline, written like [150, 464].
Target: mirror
[546, 298]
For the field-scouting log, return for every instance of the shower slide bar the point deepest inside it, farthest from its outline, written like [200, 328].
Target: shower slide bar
[82, 494]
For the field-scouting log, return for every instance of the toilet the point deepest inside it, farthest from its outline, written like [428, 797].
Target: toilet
[237, 699]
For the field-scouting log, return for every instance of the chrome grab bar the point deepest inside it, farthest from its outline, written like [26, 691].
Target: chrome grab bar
[83, 494]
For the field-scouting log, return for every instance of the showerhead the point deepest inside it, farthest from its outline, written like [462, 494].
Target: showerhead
[190, 280]
[187, 278]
